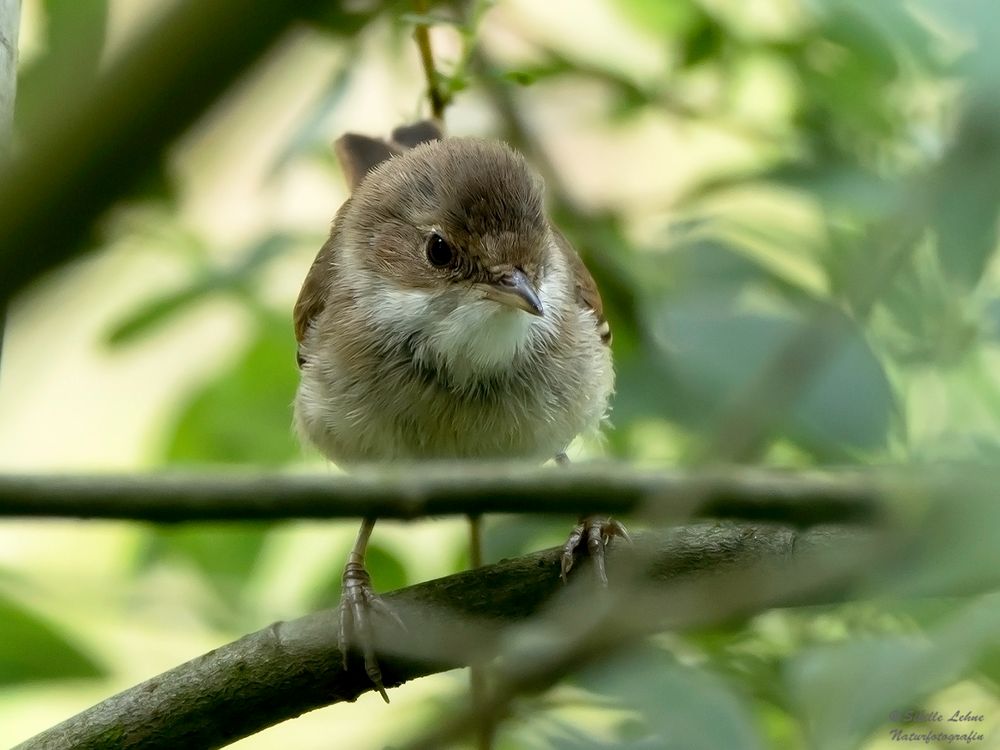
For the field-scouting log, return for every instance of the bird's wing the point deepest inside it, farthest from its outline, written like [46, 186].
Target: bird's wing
[358, 155]
[587, 294]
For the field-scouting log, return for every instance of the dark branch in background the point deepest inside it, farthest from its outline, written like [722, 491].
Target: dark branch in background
[708, 573]
[97, 146]
[401, 493]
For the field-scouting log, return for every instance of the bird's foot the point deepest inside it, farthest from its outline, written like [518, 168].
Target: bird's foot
[358, 601]
[597, 532]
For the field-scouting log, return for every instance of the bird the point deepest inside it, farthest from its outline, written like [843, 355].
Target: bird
[446, 318]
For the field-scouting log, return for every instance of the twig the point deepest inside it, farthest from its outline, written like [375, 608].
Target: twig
[415, 492]
[289, 668]
[421, 33]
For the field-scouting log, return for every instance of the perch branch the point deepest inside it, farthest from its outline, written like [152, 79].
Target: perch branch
[414, 492]
[706, 573]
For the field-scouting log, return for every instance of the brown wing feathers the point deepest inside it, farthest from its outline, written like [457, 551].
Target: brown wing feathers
[358, 155]
[586, 288]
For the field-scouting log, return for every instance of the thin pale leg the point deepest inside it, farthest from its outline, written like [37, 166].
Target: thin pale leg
[598, 531]
[357, 601]
[478, 675]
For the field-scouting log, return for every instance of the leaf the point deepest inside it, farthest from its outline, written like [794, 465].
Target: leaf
[668, 19]
[33, 650]
[158, 311]
[711, 353]
[837, 184]
[224, 555]
[680, 707]
[154, 313]
[844, 692]
[75, 34]
[244, 416]
[967, 196]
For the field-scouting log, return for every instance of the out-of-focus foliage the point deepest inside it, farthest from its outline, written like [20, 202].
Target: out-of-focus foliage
[843, 274]
[33, 650]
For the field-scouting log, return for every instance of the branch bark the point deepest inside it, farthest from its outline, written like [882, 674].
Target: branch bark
[413, 492]
[292, 667]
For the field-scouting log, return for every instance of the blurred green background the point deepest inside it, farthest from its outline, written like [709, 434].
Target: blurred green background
[791, 208]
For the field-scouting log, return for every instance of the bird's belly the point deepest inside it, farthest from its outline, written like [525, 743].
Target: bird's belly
[405, 418]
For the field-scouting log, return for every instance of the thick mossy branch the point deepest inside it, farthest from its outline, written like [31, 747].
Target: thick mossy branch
[407, 493]
[702, 573]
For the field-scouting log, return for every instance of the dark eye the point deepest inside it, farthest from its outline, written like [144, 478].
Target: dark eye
[439, 252]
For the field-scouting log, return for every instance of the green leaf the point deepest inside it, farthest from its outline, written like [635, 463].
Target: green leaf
[75, 34]
[244, 416]
[33, 650]
[157, 312]
[845, 692]
[668, 19]
[965, 218]
[223, 554]
[704, 42]
[710, 354]
[679, 707]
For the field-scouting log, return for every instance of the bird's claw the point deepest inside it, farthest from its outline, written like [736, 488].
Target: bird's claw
[598, 532]
[357, 601]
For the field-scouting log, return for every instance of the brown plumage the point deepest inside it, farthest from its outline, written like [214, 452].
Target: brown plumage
[393, 366]
[445, 318]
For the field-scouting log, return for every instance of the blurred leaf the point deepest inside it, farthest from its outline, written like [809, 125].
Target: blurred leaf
[703, 42]
[679, 707]
[668, 19]
[150, 315]
[244, 416]
[845, 692]
[313, 132]
[225, 555]
[159, 311]
[837, 184]
[923, 316]
[387, 571]
[712, 353]
[32, 650]
[966, 219]
[74, 38]
[346, 20]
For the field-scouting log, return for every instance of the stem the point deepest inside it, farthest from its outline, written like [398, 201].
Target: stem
[423, 38]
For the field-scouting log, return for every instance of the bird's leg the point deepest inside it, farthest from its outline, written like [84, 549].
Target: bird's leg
[478, 671]
[596, 531]
[357, 601]
[475, 541]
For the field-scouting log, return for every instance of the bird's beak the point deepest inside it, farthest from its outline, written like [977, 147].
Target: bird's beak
[514, 290]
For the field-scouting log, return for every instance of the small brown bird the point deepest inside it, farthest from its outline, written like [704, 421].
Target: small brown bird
[446, 318]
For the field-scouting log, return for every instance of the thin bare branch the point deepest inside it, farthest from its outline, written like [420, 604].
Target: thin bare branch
[418, 491]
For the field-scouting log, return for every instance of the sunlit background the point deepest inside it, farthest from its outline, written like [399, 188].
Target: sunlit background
[720, 164]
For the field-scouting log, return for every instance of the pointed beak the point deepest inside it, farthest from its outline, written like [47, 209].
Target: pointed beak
[514, 290]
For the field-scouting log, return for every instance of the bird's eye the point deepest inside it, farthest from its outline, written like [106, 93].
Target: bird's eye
[439, 252]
